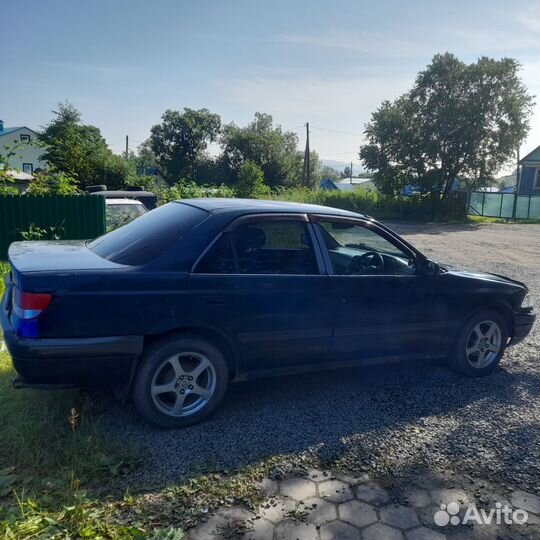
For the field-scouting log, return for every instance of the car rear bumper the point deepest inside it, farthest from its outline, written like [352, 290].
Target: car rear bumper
[69, 360]
[523, 322]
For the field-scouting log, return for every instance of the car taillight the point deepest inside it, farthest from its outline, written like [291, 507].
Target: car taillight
[27, 307]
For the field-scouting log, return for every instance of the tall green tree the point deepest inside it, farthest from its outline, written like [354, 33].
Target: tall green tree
[180, 142]
[80, 151]
[458, 120]
[272, 149]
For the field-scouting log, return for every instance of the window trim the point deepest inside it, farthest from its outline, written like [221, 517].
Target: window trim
[270, 217]
[27, 138]
[31, 165]
[367, 224]
[536, 183]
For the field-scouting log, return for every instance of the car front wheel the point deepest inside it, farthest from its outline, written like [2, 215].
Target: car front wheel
[180, 382]
[480, 344]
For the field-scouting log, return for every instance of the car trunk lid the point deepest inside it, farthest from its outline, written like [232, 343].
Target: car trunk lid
[54, 256]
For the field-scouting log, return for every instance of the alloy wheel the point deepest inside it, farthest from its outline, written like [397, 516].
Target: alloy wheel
[483, 344]
[183, 384]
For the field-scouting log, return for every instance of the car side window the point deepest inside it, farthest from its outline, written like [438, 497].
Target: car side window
[355, 249]
[262, 247]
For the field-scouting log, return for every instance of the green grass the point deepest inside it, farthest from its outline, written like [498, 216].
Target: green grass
[485, 219]
[51, 448]
[4, 269]
[56, 462]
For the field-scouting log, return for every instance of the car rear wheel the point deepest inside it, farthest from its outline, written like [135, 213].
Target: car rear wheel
[480, 344]
[180, 381]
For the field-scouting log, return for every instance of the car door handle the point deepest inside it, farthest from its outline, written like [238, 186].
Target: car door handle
[215, 300]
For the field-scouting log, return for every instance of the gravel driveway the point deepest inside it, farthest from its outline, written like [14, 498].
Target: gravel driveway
[392, 419]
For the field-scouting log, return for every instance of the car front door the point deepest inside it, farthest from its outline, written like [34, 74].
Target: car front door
[262, 282]
[383, 307]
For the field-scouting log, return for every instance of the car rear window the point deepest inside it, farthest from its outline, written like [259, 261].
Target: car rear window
[143, 239]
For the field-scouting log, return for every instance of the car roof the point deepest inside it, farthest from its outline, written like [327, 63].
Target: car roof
[258, 206]
[123, 201]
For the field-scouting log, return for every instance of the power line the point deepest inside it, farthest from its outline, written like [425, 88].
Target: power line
[338, 131]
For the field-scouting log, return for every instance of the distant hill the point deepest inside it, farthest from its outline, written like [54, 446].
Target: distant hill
[340, 165]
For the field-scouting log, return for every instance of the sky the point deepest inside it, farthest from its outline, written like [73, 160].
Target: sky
[122, 63]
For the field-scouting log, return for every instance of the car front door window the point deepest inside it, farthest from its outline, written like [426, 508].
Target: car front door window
[355, 249]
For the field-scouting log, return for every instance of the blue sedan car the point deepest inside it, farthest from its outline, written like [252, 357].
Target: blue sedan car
[197, 293]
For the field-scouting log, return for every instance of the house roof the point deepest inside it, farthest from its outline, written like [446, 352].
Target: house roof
[20, 176]
[531, 156]
[8, 130]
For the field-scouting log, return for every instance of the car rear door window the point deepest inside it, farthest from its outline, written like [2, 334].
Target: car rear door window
[262, 247]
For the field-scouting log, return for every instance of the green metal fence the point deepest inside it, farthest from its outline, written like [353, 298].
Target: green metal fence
[503, 205]
[74, 217]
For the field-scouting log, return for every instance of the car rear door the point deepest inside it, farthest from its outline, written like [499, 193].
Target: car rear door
[379, 312]
[262, 282]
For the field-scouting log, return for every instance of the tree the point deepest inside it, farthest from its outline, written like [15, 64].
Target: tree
[179, 143]
[272, 149]
[328, 172]
[346, 172]
[457, 120]
[79, 151]
[6, 180]
[251, 181]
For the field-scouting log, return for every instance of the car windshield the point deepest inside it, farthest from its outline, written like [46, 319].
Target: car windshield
[120, 214]
[149, 235]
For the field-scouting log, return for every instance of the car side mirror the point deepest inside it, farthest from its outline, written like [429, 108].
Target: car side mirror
[429, 268]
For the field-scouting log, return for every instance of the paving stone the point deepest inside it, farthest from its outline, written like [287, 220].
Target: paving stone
[372, 493]
[357, 513]
[378, 531]
[269, 487]
[423, 533]
[262, 530]
[339, 530]
[526, 501]
[320, 511]
[426, 515]
[417, 497]
[208, 530]
[353, 479]
[292, 530]
[237, 513]
[446, 496]
[399, 516]
[318, 476]
[298, 488]
[275, 509]
[335, 491]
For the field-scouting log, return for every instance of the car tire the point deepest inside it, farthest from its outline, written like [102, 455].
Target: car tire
[480, 344]
[180, 381]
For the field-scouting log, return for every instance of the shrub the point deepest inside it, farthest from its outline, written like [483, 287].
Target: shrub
[52, 183]
[415, 208]
[251, 181]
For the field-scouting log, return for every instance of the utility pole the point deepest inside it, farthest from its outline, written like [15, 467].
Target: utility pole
[351, 172]
[307, 171]
[516, 192]
[127, 147]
